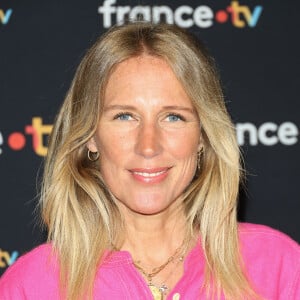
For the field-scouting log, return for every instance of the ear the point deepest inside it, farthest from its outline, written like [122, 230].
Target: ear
[92, 145]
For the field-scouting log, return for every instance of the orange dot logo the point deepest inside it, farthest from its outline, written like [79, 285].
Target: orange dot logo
[221, 16]
[16, 141]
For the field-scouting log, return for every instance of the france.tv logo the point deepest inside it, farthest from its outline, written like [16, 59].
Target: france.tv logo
[5, 16]
[7, 259]
[37, 130]
[185, 16]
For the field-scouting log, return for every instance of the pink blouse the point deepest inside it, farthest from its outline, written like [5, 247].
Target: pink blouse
[272, 261]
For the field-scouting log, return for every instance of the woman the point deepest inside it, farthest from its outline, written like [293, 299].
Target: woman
[141, 182]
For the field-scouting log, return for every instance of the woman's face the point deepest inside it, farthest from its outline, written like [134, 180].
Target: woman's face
[148, 136]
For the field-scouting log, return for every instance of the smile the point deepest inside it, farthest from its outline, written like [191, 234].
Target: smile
[150, 176]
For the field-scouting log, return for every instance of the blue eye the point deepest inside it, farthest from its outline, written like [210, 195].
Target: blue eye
[123, 117]
[174, 118]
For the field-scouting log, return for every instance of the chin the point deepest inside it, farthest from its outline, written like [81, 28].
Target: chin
[145, 204]
[150, 211]
[149, 208]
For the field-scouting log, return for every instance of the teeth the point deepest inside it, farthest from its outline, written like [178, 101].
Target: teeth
[149, 174]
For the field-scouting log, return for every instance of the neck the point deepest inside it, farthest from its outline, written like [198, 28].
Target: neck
[153, 238]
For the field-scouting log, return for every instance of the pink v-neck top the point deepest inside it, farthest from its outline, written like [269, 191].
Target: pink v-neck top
[272, 261]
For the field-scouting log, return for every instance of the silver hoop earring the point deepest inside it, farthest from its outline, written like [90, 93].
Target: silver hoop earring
[199, 154]
[93, 156]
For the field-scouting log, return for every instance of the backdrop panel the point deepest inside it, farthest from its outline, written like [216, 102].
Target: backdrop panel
[256, 47]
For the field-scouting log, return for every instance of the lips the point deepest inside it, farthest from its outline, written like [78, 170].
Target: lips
[154, 175]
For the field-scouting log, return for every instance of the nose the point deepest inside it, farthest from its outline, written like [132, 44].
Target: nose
[148, 143]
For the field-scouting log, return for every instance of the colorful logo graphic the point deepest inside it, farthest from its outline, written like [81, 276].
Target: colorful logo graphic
[185, 16]
[37, 130]
[7, 259]
[5, 16]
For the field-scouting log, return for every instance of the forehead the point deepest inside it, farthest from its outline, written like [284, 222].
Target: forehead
[145, 77]
[143, 62]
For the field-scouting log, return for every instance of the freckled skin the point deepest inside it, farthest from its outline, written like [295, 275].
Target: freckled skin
[140, 132]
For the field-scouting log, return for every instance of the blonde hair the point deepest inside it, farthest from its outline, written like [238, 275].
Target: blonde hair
[83, 220]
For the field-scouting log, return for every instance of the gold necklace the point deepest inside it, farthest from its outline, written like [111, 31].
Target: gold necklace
[163, 288]
[158, 292]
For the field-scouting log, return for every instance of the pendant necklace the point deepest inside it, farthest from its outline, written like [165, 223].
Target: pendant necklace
[163, 288]
[158, 292]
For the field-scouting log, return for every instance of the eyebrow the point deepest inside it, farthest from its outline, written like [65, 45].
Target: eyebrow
[130, 107]
[116, 106]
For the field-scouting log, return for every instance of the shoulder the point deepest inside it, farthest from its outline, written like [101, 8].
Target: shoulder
[38, 265]
[272, 261]
[264, 236]
[32, 260]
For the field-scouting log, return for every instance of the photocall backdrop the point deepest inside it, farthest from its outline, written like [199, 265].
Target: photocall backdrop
[256, 47]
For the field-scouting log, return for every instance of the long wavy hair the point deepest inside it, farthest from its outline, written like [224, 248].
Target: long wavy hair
[83, 220]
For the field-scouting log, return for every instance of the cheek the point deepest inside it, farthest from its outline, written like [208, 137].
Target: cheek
[113, 144]
[184, 144]
[113, 148]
